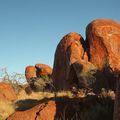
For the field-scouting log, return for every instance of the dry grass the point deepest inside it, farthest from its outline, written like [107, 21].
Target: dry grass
[64, 93]
[34, 95]
[6, 108]
[41, 95]
[108, 93]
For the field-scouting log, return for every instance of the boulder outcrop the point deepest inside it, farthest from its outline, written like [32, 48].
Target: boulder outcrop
[7, 92]
[43, 69]
[37, 70]
[75, 63]
[45, 111]
[70, 50]
[30, 72]
[39, 77]
[103, 39]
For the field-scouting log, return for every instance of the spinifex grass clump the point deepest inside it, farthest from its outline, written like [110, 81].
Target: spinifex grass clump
[41, 83]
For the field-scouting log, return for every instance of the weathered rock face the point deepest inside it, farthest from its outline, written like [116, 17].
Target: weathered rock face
[103, 39]
[39, 77]
[45, 111]
[30, 72]
[43, 69]
[39, 69]
[7, 92]
[70, 50]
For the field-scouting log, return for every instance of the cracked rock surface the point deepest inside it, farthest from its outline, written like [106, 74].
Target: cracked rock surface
[45, 111]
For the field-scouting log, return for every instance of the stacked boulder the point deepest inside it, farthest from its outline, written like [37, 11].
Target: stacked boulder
[103, 42]
[104, 48]
[71, 60]
[103, 39]
[39, 77]
[100, 52]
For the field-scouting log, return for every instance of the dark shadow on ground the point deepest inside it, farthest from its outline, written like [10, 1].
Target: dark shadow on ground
[87, 108]
[26, 104]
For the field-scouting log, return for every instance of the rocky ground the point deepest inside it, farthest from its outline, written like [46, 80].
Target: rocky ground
[61, 105]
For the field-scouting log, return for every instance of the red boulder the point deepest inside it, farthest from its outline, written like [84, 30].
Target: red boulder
[45, 111]
[30, 72]
[103, 39]
[70, 50]
[7, 92]
[43, 69]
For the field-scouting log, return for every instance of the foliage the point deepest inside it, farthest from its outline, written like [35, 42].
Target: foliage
[41, 83]
[15, 79]
[88, 78]
[104, 79]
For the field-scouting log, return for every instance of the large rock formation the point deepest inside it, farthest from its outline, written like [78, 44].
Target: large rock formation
[7, 92]
[104, 50]
[70, 60]
[103, 39]
[39, 77]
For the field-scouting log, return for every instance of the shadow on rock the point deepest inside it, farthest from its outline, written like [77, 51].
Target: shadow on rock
[104, 79]
[23, 105]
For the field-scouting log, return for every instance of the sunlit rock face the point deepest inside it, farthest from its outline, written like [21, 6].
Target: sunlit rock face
[43, 69]
[44, 111]
[103, 39]
[39, 77]
[37, 70]
[30, 72]
[7, 92]
[70, 60]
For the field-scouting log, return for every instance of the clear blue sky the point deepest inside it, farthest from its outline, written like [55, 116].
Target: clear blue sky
[31, 29]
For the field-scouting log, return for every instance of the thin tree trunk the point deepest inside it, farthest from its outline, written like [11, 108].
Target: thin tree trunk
[116, 115]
